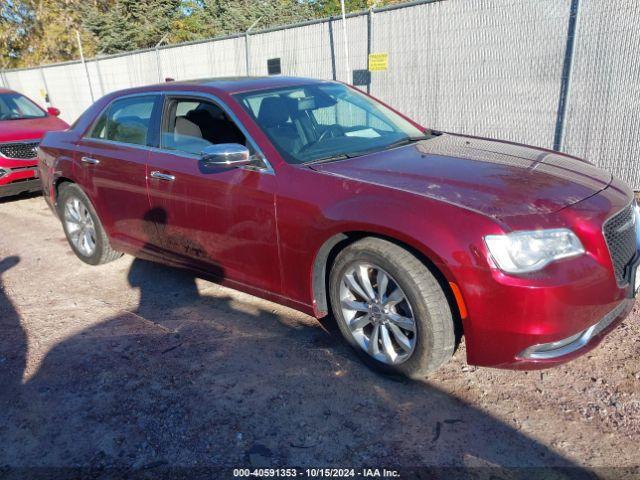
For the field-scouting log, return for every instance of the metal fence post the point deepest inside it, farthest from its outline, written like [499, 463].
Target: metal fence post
[333, 50]
[246, 53]
[158, 66]
[565, 81]
[99, 71]
[158, 63]
[369, 44]
[84, 64]
[247, 59]
[47, 96]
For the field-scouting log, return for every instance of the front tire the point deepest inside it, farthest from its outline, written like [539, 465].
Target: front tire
[83, 228]
[391, 309]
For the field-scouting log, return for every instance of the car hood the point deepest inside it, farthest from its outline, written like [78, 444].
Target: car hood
[495, 178]
[29, 129]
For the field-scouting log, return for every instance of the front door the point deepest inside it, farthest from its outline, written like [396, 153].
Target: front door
[218, 219]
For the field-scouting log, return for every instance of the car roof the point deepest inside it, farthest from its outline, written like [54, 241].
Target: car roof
[226, 84]
[6, 90]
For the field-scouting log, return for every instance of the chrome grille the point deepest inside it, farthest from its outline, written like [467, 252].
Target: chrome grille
[620, 233]
[22, 150]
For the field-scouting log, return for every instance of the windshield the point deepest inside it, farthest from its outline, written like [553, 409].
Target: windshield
[320, 122]
[14, 106]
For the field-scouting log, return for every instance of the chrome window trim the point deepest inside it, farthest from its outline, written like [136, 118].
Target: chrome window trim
[113, 142]
[267, 169]
[177, 153]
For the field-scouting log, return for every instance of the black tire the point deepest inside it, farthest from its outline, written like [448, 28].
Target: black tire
[103, 252]
[435, 332]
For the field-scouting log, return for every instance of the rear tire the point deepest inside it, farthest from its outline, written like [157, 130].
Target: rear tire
[415, 328]
[83, 228]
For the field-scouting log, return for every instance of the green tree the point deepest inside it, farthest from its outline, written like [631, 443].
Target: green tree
[330, 8]
[130, 24]
[34, 32]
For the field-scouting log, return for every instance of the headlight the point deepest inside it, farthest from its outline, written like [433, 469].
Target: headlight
[521, 252]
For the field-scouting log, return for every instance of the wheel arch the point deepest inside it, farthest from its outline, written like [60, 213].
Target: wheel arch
[336, 243]
[58, 184]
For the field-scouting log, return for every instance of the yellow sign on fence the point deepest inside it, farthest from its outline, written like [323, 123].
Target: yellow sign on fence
[378, 62]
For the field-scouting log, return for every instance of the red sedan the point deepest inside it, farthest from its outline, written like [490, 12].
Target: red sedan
[314, 195]
[22, 125]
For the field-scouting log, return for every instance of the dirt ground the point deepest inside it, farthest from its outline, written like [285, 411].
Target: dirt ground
[133, 364]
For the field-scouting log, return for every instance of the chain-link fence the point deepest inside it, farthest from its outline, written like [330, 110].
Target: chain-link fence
[561, 74]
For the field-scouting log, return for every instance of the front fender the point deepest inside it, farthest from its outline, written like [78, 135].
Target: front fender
[318, 211]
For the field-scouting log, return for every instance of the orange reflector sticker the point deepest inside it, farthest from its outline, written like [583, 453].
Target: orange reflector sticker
[462, 308]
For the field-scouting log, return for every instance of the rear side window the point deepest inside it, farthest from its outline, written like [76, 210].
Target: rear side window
[126, 121]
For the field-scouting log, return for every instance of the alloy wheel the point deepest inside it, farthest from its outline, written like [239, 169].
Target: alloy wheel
[80, 226]
[378, 313]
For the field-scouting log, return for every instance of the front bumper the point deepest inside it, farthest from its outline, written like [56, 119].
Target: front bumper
[23, 186]
[574, 345]
[18, 176]
[558, 313]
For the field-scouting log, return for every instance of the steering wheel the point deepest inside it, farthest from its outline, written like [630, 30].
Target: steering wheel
[332, 131]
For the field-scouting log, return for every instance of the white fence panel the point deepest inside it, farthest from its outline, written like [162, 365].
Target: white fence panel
[127, 71]
[485, 67]
[68, 89]
[218, 58]
[28, 82]
[490, 68]
[603, 116]
[311, 56]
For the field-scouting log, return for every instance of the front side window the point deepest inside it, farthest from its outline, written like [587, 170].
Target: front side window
[191, 125]
[127, 121]
[326, 121]
[14, 106]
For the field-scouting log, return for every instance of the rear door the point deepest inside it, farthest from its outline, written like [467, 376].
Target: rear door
[218, 219]
[111, 165]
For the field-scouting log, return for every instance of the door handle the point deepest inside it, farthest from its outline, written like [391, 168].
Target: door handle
[90, 161]
[163, 176]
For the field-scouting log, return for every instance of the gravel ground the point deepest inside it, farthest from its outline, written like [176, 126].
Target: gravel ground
[133, 364]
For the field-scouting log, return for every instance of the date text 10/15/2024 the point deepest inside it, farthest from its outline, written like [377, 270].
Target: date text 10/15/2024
[316, 472]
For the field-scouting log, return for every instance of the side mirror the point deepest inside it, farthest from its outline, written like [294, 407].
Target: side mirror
[53, 111]
[228, 155]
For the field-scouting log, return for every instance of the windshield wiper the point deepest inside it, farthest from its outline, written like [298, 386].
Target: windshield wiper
[397, 143]
[406, 141]
[328, 158]
[344, 156]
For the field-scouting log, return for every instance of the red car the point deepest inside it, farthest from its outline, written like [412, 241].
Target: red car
[316, 196]
[22, 125]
